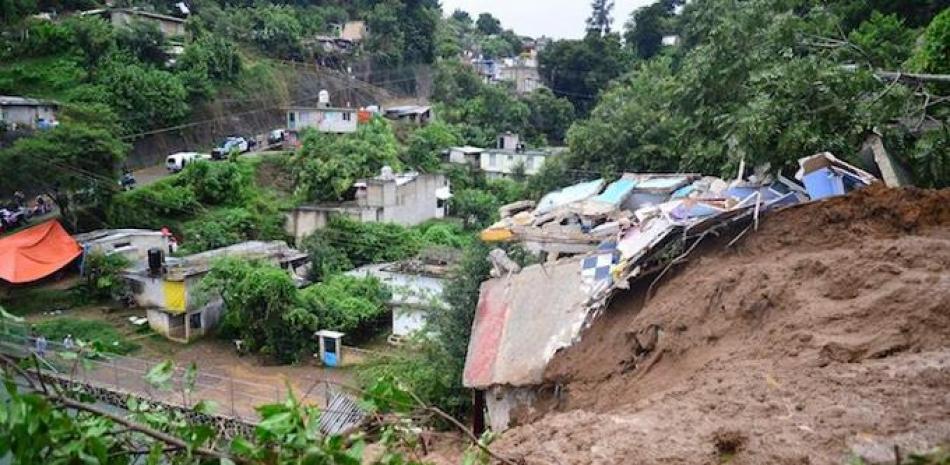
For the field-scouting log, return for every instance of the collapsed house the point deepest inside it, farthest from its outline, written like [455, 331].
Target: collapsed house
[594, 239]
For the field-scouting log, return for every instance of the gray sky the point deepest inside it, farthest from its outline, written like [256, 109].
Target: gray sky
[554, 18]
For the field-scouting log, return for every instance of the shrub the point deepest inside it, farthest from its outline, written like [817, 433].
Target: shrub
[348, 304]
[102, 276]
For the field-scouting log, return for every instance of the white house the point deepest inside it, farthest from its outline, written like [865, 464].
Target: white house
[323, 119]
[416, 287]
[511, 155]
[18, 112]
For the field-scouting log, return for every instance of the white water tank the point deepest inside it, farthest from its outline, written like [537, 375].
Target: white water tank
[323, 99]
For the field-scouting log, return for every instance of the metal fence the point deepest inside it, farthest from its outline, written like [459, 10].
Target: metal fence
[234, 397]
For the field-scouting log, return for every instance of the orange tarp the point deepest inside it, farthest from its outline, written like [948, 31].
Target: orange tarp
[36, 252]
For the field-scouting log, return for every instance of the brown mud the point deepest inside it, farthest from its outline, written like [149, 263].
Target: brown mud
[822, 336]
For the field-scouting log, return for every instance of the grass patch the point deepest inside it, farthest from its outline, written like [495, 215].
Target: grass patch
[29, 301]
[54, 77]
[56, 330]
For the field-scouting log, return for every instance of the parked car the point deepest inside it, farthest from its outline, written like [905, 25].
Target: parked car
[177, 161]
[276, 136]
[12, 217]
[229, 144]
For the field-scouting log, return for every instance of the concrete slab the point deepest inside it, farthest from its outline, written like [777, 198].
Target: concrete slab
[520, 322]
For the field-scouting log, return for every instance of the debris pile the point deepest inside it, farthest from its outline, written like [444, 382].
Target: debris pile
[822, 337]
[622, 227]
[596, 238]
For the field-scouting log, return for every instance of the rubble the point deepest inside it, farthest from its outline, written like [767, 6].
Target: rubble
[598, 239]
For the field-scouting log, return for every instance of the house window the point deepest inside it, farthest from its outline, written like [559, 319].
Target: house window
[347, 116]
[194, 320]
[493, 160]
[119, 245]
[292, 120]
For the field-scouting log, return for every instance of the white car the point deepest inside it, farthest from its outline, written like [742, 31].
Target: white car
[177, 161]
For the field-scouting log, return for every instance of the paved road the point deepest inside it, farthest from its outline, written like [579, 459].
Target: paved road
[152, 174]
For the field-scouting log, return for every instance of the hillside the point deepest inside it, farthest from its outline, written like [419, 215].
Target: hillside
[823, 335]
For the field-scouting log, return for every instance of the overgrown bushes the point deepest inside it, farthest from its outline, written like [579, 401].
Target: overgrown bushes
[213, 204]
[266, 311]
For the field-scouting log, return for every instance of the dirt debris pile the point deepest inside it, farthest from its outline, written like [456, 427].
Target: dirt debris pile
[821, 336]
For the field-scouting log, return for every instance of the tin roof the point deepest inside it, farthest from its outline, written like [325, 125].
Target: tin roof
[12, 100]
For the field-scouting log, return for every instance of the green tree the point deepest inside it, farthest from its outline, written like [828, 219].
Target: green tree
[260, 302]
[92, 36]
[462, 17]
[476, 207]
[600, 18]
[425, 145]
[550, 116]
[102, 276]
[275, 29]
[934, 53]
[647, 26]
[365, 243]
[144, 40]
[356, 306]
[488, 24]
[388, 40]
[883, 41]
[579, 69]
[207, 62]
[327, 165]
[71, 162]
[144, 97]
[325, 258]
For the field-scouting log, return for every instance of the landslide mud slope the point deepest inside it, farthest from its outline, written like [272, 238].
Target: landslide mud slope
[823, 335]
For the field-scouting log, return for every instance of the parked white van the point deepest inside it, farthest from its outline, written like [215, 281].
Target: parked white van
[177, 161]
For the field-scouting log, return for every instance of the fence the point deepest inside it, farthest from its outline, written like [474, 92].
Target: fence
[234, 397]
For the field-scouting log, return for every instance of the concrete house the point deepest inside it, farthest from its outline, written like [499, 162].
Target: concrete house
[410, 114]
[170, 292]
[405, 198]
[323, 119]
[121, 17]
[416, 286]
[465, 155]
[510, 154]
[133, 244]
[522, 71]
[23, 112]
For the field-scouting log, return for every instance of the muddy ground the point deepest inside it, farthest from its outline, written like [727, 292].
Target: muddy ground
[823, 336]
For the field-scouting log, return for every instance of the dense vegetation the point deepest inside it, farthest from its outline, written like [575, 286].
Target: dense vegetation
[765, 80]
[210, 204]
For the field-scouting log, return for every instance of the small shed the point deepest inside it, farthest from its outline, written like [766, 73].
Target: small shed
[331, 347]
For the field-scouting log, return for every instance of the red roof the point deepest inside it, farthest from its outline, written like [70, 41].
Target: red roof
[36, 252]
